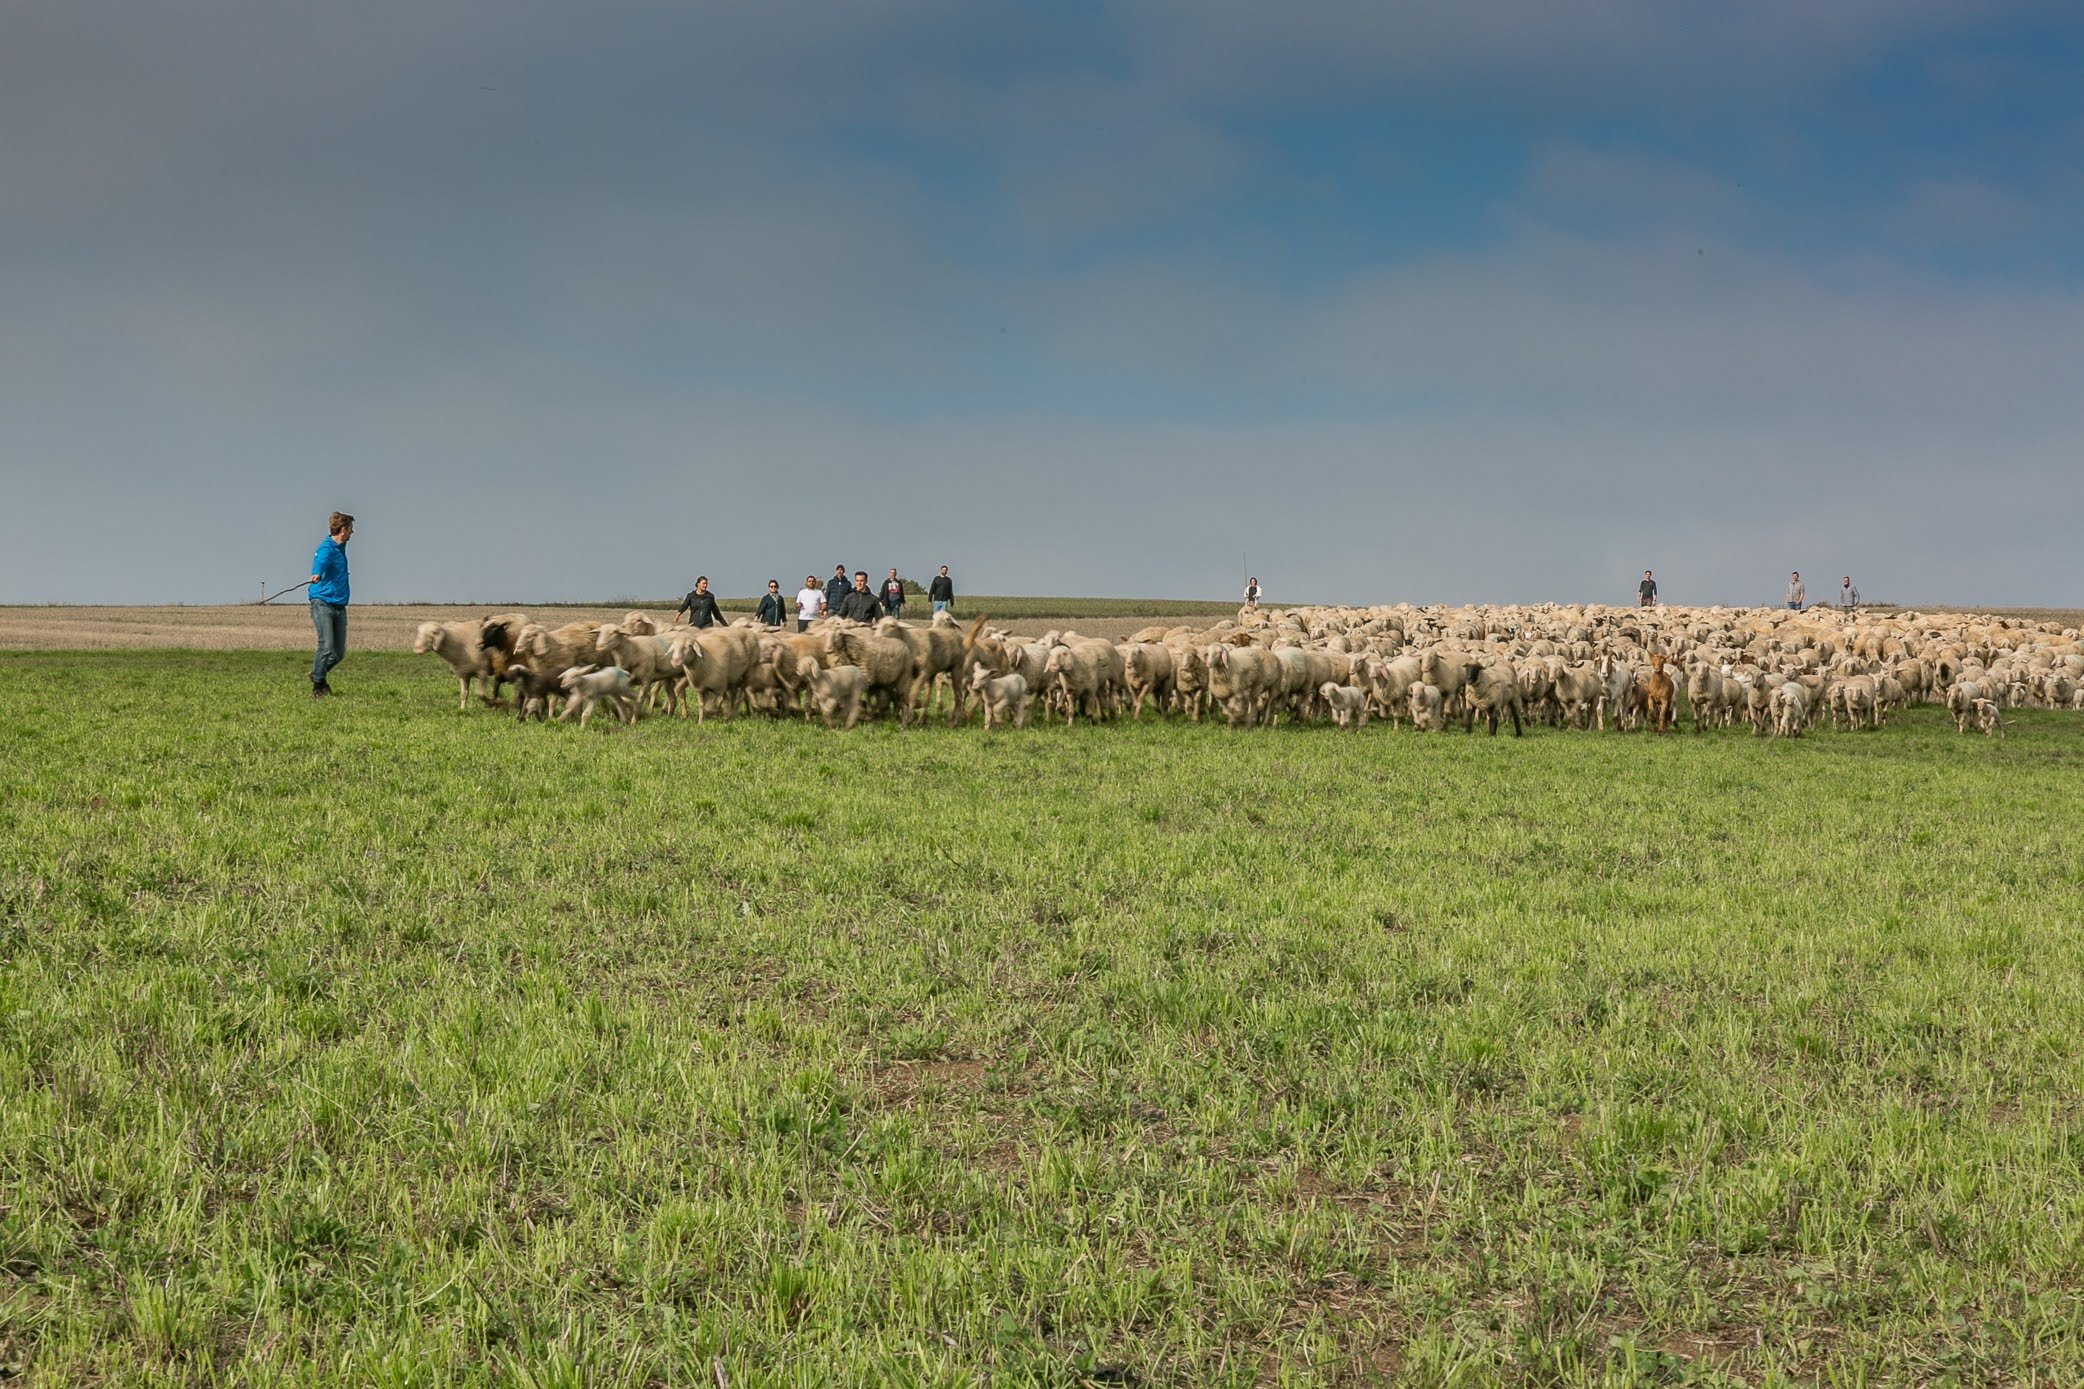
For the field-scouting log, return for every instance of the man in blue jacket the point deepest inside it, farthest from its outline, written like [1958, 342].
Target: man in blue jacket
[327, 589]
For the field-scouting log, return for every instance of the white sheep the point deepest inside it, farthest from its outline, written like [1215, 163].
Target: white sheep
[1427, 707]
[587, 686]
[1790, 709]
[462, 645]
[1002, 696]
[1348, 704]
[1988, 719]
[837, 692]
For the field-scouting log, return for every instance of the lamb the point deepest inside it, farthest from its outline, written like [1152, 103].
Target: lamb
[1001, 696]
[1348, 704]
[1961, 699]
[836, 692]
[1790, 709]
[461, 644]
[588, 686]
[1427, 704]
[1988, 719]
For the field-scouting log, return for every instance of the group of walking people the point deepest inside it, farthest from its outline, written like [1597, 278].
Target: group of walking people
[836, 597]
[1796, 597]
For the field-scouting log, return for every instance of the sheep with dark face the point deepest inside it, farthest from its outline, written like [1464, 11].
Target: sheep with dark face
[1489, 691]
[537, 693]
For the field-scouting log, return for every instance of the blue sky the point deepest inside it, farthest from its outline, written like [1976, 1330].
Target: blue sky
[1429, 302]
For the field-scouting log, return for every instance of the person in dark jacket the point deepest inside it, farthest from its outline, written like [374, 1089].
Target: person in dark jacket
[836, 588]
[894, 595]
[1646, 591]
[860, 605]
[774, 609]
[700, 606]
[941, 591]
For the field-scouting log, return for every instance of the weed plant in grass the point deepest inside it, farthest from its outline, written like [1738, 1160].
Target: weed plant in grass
[367, 1042]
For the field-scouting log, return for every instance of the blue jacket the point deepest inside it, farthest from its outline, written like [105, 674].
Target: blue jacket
[330, 564]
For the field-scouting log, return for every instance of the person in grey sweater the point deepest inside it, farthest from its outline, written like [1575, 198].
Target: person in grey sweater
[1795, 594]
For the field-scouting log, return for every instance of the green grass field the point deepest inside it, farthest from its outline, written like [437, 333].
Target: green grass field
[369, 1043]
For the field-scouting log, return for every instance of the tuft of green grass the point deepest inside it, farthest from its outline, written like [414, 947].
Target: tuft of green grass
[367, 1041]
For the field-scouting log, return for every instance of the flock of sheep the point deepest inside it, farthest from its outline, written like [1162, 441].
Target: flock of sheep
[1778, 671]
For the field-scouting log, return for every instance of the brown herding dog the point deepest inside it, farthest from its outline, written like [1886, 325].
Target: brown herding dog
[1660, 697]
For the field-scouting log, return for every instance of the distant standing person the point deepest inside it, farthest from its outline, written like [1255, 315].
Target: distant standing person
[700, 606]
[837, 588]
[941, 592]
[1795, 595]
[894, 595]
[327, 589]
[1848, 596]
[1252, 592]
[860, 605]
[810, 601]
[774, 609]
[1646, 591]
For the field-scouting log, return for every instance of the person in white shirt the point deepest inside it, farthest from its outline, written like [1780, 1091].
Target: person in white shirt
[810, 602]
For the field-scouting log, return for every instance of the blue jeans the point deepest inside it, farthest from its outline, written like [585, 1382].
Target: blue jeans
[940, 605]
[329, 620]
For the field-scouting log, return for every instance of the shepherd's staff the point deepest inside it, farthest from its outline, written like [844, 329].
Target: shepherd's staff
[301, 583]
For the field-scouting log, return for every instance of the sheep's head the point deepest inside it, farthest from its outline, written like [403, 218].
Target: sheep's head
[1328, 691]
[684, 652]
[493, 634]
[571, 678]
[607, 639]
[979, 674]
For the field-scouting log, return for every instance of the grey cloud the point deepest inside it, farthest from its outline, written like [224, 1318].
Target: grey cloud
[659, 300]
